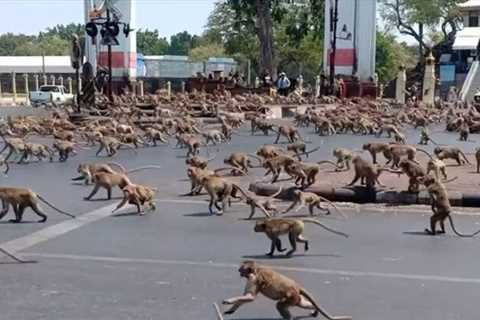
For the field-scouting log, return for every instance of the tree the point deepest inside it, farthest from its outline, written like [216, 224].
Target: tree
[64, 32]
[203, 52]
[150, 43]
[414, 17]
[182, 42]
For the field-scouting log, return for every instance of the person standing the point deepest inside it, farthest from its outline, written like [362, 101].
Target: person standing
[283, 84]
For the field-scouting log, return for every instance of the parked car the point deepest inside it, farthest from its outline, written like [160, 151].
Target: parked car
[50, 94]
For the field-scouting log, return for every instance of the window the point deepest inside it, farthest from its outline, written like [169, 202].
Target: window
[473, 20]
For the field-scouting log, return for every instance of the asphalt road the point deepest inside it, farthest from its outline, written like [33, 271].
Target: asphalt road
[174, 263]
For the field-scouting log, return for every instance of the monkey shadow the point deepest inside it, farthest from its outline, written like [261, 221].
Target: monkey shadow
[261, 318]
[22, 222]
[104, 199]
[199, 215]
[126, 214]
[416, 233]
[181, 157]
[285, 257]
[79, 184]
[473, 172]
[16, 262]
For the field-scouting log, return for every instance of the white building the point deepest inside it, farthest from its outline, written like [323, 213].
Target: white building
[355, 55]
[36, 64]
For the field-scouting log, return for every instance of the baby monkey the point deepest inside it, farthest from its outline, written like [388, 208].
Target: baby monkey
[288, 293]
[274, 228]
[139, 196]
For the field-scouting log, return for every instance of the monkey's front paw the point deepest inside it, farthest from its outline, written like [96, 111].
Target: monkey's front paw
[227, 301]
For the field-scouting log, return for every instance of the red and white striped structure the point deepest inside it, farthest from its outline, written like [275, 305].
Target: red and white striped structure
[358, 53]
[124, 56]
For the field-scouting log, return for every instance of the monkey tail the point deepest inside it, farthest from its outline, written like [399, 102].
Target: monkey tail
[315, 221]
[53, 207]
[425, 152]
[310, 151]
[116, 164]
[333, 205]
[461, 234]
[324, 313]
[241, 190]
[143, 168]
[329, 162]
[276, 193]
[230, 168]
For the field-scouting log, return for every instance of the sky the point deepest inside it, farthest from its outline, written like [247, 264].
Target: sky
[168, 16]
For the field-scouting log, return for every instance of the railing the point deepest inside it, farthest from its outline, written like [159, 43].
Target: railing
[466, 88]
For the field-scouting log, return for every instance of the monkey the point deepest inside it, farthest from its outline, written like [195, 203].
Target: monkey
[273, 285]
[297, 148]
[5, 164]
[451, 152]
[215, 136]
[437, 166]
[219, 190]
[87, 170]
[107, 181]
[441, 207]
[265, 205]
[367, 172]
[425, 137]
[400, 138]
[274, 228]
[15, 145]
[267, 152]
[193, 145]
[305, 173]
[312, 200]
[344, 157]
[131, 139]
[397, 151]
[196, 175]
[261, 124]
[276, 164]
[91, 137]
[64, 149]
[389, 129]
[63, 135]
[374, 147]
[464, 131]
[290, 132]
[111, 146]
[38, 150]
[240, 161]
[22, 198]
[137, 195]
[153, 135]
[199, 162]
[413, 172]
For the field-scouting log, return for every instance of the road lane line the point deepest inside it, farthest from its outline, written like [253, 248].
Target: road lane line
[226, 265]
[57, 230]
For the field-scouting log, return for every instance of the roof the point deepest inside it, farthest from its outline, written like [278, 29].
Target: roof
[470, 5]
[467, 39]
[33, 64]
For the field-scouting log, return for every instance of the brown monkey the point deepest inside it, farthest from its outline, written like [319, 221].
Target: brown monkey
[215, 136]
[267, 152]
[397, 151]
[344, 157]
[377, 147]
[199, 162]
[38, 150]
[64, 149]
[289, 132]
[111, 145]
[276, 164]
[153, 135]
[389, 129]
[137, 195]
[464, 131]
[437, 166]
[219, 190]
[274, 228]
[15, 145]
[88, 170]
[367, 172]
[413, 171]
[240, 161]
[441, 207]
[297, 148]
[107, 181]
[254, 201]
[288, 293]
[451, 152]
[22, 198]
[312, 200]
[63, 135]
[196, 176]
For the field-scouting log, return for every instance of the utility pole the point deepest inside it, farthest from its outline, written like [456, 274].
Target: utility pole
[333, 33]
[109, 89]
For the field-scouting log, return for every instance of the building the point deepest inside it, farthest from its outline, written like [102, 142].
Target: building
[355, 54]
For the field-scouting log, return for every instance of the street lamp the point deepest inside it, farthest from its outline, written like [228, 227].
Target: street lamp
[344, 35]
[110, 29]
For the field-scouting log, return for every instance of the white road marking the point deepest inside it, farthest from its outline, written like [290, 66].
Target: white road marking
[341, 273]
[56, 230]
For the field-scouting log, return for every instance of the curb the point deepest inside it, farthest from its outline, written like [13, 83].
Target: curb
[362, 195]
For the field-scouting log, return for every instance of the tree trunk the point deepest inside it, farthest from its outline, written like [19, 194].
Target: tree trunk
[265, 36]
[421, 50]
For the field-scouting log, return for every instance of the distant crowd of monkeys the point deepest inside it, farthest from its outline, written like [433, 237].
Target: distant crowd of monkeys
[23, 142]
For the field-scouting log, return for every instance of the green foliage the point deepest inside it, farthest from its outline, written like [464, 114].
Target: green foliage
[150, 43]
[390, 55]
[182, 42]
[203, 52]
